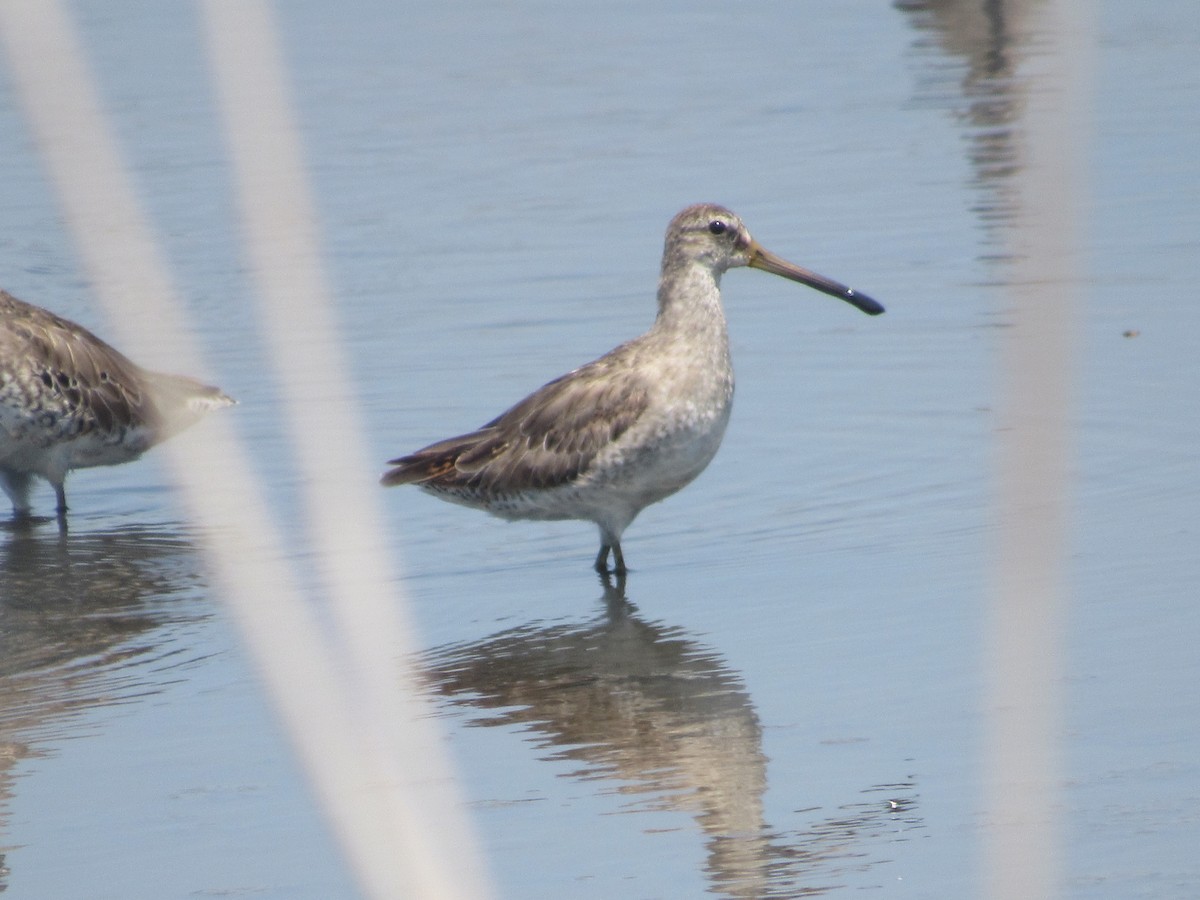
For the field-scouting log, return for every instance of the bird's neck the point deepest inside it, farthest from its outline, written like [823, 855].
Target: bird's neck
[689, 300]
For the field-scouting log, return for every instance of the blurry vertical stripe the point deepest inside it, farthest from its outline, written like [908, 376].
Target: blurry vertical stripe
[83, 163]
[374, 758]
[1025, 670]
[340, 481]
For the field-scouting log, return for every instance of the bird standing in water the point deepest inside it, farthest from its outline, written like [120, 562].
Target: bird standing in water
[631, 428]
[70, 401]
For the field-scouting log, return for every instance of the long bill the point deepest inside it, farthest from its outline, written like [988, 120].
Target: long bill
[777, 265]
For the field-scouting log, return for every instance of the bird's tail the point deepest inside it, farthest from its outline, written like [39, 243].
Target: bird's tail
[181, 402]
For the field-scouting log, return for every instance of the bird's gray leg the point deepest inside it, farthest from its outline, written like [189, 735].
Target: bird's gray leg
[610, 543]
[16, 485]
[60, 491]
[618, 559]
[601, 565]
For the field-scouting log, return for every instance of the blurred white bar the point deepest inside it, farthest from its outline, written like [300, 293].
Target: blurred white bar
[358, 723]
[342, 492]
[1024, 705]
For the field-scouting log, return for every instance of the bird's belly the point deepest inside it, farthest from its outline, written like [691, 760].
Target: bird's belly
[111, 449]
[658, 467]
[51, 452]
[621, 482]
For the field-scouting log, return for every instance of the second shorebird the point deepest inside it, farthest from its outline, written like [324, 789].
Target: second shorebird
[631, 428]
[70, 401]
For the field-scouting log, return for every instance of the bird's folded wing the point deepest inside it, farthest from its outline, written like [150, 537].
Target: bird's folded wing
[92, 380]
[548, 439]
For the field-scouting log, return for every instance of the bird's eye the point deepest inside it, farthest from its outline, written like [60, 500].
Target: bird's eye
[716, 226]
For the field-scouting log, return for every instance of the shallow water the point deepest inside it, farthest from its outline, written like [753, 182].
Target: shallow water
[788, 700]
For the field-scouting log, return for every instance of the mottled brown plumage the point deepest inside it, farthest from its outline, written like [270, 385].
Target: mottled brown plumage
[547, 440]
[68, 400]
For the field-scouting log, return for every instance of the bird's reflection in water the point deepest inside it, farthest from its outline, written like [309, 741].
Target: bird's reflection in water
[74, 598]
[81, 618]
[968, 56]
[647, 706]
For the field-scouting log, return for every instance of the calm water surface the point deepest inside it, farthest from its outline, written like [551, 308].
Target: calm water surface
[786, 700]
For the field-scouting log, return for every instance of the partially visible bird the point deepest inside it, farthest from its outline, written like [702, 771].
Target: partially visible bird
[70, 401]
[631, 428]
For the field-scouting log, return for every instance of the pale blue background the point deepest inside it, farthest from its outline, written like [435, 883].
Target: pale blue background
[493, 181]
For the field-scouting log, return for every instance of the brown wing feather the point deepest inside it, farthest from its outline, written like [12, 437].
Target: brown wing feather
[548, 439]
[91, 378]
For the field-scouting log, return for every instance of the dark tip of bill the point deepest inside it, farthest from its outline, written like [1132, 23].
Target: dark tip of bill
[862, 301]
